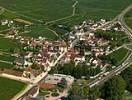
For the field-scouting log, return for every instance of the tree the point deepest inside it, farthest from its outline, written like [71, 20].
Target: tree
[95, 93]
[75, 92]
[127, 76]
[114, 89]
[78, 93]
[62, 83]
[85, 93]
[68, 68]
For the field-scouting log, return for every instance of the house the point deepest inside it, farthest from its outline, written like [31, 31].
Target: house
[20, 61]
[4, 22]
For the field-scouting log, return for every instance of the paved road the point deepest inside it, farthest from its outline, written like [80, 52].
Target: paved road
[101, 79]
[121, 20]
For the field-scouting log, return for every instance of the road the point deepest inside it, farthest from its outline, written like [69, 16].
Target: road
[121, 20]
[74, 8]
[1, 10]
[101, 79]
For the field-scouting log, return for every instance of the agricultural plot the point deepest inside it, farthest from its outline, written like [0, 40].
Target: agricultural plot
[3, 27]
[119, 55]
[102, 8]
[73, 20]
[6, 61]
[40, 9]
[6, 65]
[8, 15]
[60, 12]
[9, 88]
[7, 45]
[7, 58]
[40, 31]
[128, 18]
[48, 10]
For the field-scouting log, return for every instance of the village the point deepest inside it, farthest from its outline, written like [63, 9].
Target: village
[40, 55]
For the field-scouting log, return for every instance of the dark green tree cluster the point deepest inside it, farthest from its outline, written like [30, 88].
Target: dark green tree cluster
[76, 71]
[114, 89]
[127, 75]
[62, 84]
[116, 38]
[77, 92]
[108, 59]
[94, 93]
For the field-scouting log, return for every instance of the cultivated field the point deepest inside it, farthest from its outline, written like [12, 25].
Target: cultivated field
[40, 31]
[9, 88]
[4, 65]
[48, 10]
[118, 56]
[7, 45]
[51, 12]
[6, 57]
[128, 18]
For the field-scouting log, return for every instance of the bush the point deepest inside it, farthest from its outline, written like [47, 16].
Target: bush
[62, 83]
[55, 94]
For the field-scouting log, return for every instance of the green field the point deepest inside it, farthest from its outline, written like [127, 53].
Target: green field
[129, 95]
[6, 65]
[48, 10]
[3, 27]
[37, 31]
[128, 18]
[7, 45]
[60, 12]
[9, 88]
[119, 55]
[8, 58]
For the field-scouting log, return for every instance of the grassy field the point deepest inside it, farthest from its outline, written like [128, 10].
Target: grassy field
[6, 65]
[128, 18]
[8, 15]
[37, 31]
[9, 88]
[48, 10]
[40, 9]
[7, 45]
[6, 57]
[129, 95]
[119, 55]
[3, 27]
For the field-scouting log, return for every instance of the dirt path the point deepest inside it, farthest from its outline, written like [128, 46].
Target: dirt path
[5, 62]
[74, 8]
[53, 32]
